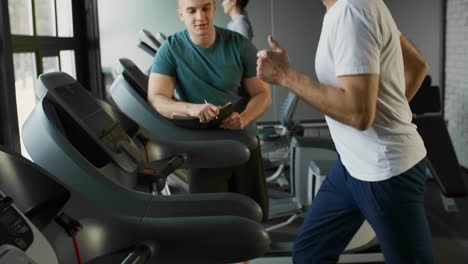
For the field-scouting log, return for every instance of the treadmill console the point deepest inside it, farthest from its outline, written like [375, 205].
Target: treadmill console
[105, 131]
[14, 229]
[10, 254]
[20, 241]
[135, 77]
[149, 39]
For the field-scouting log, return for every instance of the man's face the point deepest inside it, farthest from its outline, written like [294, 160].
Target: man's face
[197, 15]
[227, 5]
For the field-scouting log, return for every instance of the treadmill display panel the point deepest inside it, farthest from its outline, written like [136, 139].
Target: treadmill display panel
[96, 119]
[14, 230]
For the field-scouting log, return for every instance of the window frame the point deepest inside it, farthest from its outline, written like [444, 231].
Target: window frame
[9, 132]
[84, 43]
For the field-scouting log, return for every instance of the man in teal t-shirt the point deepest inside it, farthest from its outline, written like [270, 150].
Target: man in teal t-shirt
[209, 67]
[214, 74]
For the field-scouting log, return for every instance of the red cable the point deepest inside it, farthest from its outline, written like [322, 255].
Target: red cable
[77, 249]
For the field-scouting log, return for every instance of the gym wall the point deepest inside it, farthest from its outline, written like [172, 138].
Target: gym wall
[456, 82]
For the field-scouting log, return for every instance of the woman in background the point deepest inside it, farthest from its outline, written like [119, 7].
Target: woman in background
[239, 20]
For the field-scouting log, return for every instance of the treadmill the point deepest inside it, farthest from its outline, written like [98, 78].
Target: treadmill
[129, 92]
[83, 147]
[30, 200]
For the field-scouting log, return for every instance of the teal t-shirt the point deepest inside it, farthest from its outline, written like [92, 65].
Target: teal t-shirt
[213, 74]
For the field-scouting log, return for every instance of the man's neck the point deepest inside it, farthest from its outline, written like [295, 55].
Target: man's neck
[328, 3]
[205, 41]
[235, 12]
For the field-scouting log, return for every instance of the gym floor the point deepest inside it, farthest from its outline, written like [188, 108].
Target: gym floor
[449, 230]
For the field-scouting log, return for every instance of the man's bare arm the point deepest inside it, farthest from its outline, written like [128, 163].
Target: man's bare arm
[160, 92]
[260, 99]
[353, 103]
[416, 68]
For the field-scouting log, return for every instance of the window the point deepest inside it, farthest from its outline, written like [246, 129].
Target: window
[20, 17]
[67, 62]
[50, 64]
[25, 78]
[45, 17]
[64, 21]
[42, 40]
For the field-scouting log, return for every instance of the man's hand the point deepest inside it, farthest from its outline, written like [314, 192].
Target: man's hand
[273, 65]
[205, 112]
[233, 122]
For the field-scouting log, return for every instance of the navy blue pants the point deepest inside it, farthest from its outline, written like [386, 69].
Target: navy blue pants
[394, 208]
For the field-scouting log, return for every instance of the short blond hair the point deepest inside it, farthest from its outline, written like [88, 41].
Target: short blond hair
[178, 2]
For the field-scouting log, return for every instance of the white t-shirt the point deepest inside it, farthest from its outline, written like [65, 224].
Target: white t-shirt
[241, 24]
[361, 37]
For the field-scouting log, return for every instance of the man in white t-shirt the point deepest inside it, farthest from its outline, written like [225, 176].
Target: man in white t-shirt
[368, 72]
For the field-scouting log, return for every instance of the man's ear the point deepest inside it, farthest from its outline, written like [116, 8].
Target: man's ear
[179, 14]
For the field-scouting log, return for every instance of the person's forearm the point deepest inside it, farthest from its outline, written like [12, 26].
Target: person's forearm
[334, 102]
[353, 103]
[414, 77]
[166, 106]
[314, 93]
[256, 107]
[416, 68]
